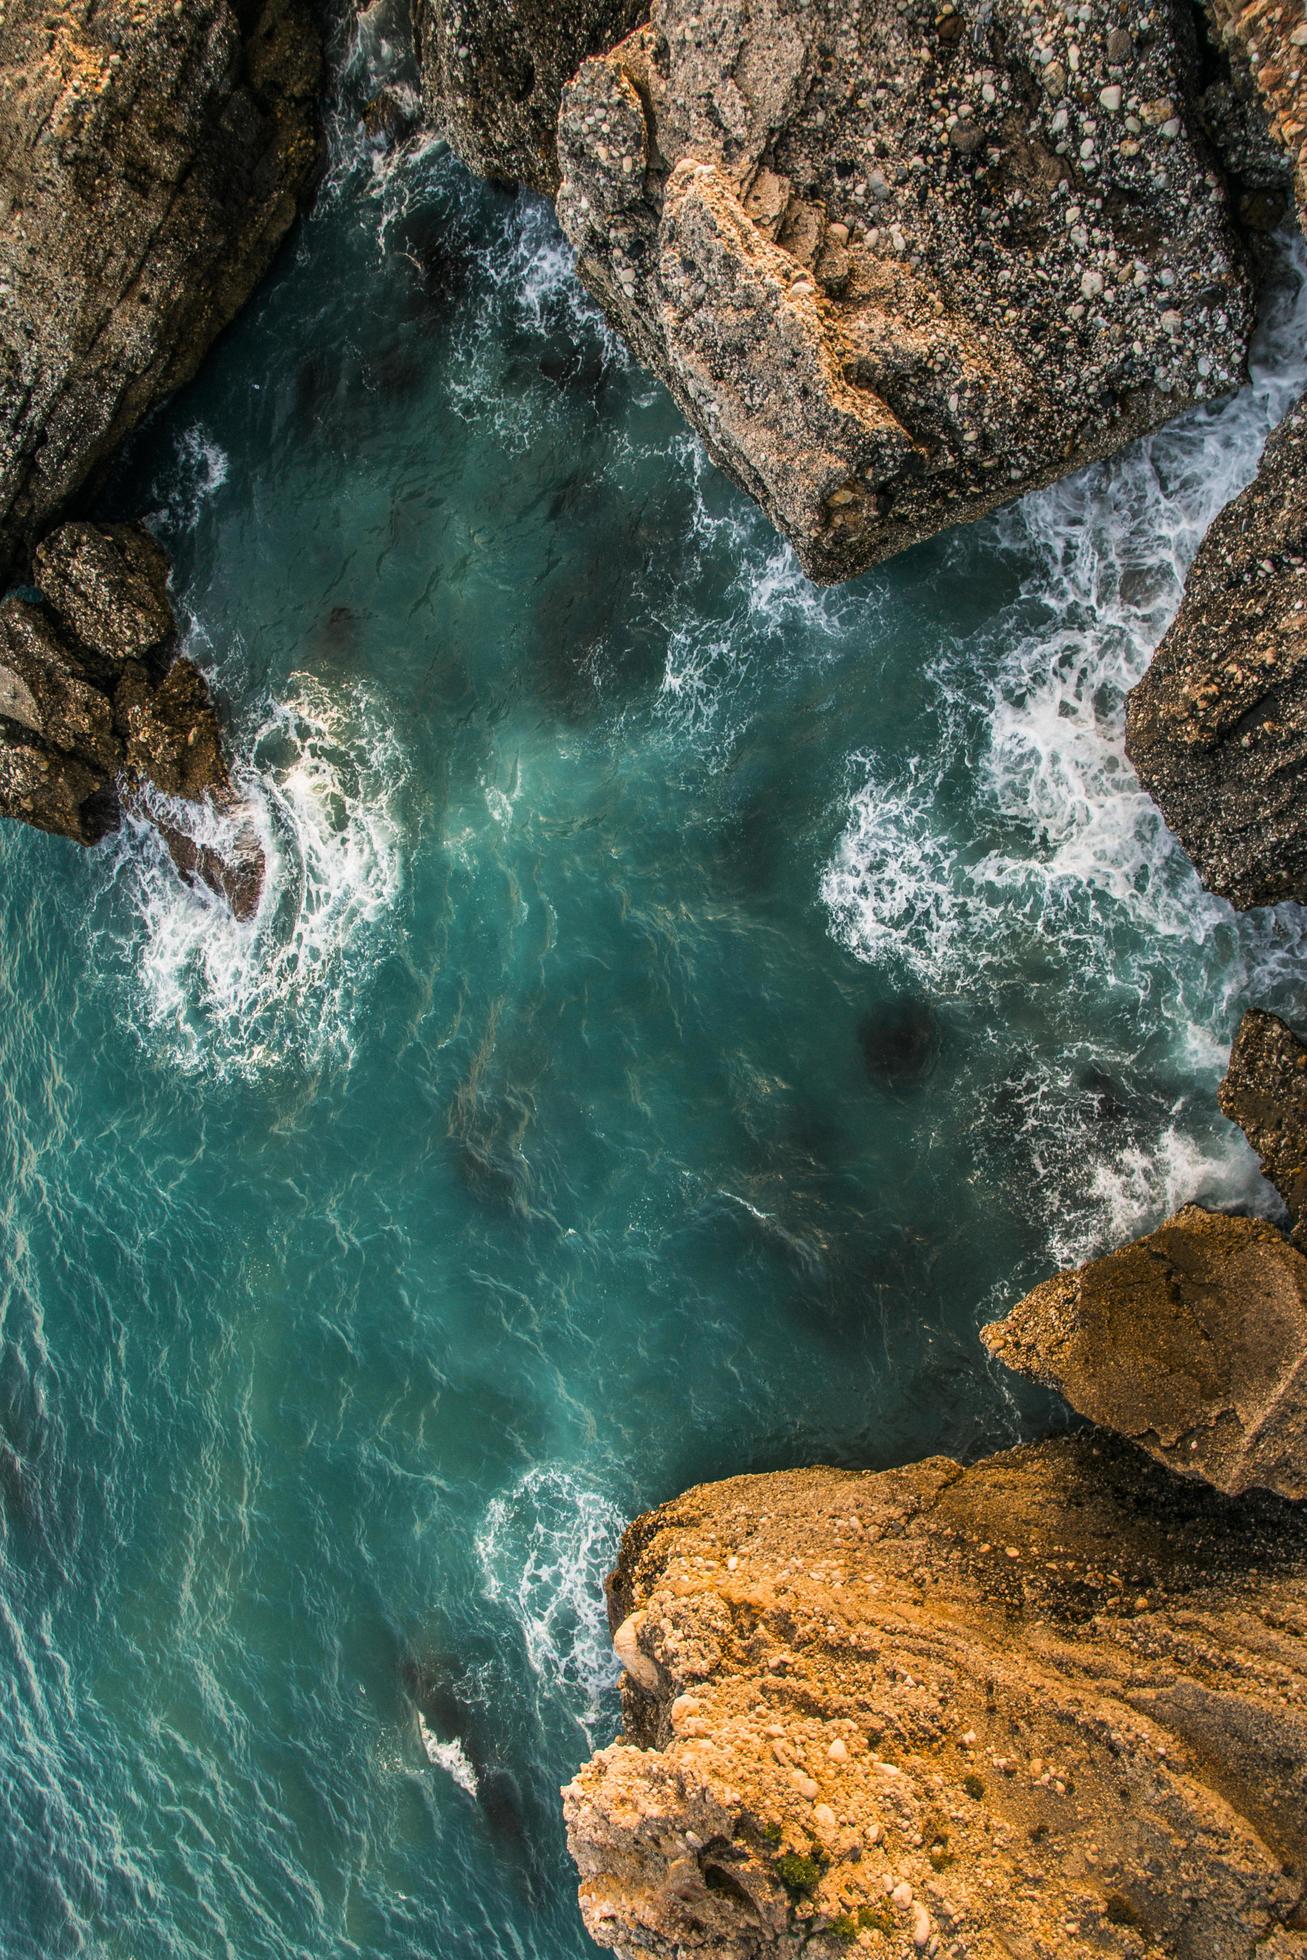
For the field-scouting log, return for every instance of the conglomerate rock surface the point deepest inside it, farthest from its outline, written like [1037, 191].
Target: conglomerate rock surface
[493, 72]
[151, 156]
[97, 715]
[1053, 1704]
[1191, 1341]
[898, 264]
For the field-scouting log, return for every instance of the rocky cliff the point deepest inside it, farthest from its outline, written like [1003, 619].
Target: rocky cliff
[98, 714]
[151, 156]
[898, 265]
[1265, 1093]
[493, 75]
[1054, 1704]
[1217, 728]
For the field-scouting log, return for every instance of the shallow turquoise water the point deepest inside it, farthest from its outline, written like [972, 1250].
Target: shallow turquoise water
[686, 1005]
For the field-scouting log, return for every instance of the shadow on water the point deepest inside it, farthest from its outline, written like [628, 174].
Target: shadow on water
[900, 1041]
[442, 1690]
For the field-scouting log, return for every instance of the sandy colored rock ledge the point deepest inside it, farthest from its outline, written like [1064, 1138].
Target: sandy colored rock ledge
[1052, 1705]
[901, 264]
[98, 715]
[1191, 1342]
[1265, 1093]
[151, 157]
[492, 75]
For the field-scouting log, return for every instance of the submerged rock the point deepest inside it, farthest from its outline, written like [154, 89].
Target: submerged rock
[1265, 1093]
[97, 713]
[1191, 1342]
[1053, 1704]
[1217, 727]
[899, 265]
[492, 75]
[151, 156]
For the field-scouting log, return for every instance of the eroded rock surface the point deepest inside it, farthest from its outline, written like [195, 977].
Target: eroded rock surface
[150, 160]
[97, 714]
[900, 264]
[1265, 1093]
[1217, 728]
[492, 75]
[1053, 1704]
[1192, 1342]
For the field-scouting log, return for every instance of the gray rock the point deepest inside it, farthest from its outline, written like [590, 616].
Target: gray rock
[942, 359]
[1217, 728]
[493, 72]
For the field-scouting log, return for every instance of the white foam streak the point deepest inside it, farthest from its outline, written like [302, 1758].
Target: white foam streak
[452, 1757]
[1051, 859]
[544, 1550]
[319, 778]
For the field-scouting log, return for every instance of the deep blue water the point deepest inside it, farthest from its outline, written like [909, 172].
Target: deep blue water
[686, 1004]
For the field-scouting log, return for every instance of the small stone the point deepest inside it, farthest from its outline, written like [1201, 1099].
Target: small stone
[1120, 46]
[1091, 284]
[839, 1750]
[1111, 98]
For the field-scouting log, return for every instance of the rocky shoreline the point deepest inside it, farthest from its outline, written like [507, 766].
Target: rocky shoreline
[897, 266]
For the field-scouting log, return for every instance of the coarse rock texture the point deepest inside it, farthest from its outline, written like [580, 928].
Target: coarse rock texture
[1053, 1704]
[900, 264]
[1267, 40]
[1191, 1342]
[97, 714]
[493, 72]
[151, 156]
[1217, 727]
[1265, 1093]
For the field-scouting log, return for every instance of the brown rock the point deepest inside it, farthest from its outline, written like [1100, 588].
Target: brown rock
[1265, 1093]
[1217, 728]
[492, 75]
[1191, 1342]
[1052, 1705]
[151, 156]
[954, 363]
[96, 714]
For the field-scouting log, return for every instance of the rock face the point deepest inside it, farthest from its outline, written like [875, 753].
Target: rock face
[1192, 1342]
[1054, 1704]
[492, 75]
[150, 160]
[1217, 728]
[1265, 1093]
[900, 264]
[96, 713]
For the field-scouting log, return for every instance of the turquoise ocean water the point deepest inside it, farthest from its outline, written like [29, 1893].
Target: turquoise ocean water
[687, 1002]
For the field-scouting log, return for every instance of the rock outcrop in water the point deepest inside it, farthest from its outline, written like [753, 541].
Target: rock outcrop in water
[1053, 1704]
[98, 715]
[898, 265]
[493, 75]
[1217, 728]
[1191, 1342]
[151, 156]
[1265, 1093]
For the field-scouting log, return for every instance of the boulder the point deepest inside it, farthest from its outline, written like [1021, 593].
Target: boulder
[151, 158]
[1191, 1342]
[1265, 1093]
[1052, 1704]
[900, 264]
[97, 713]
